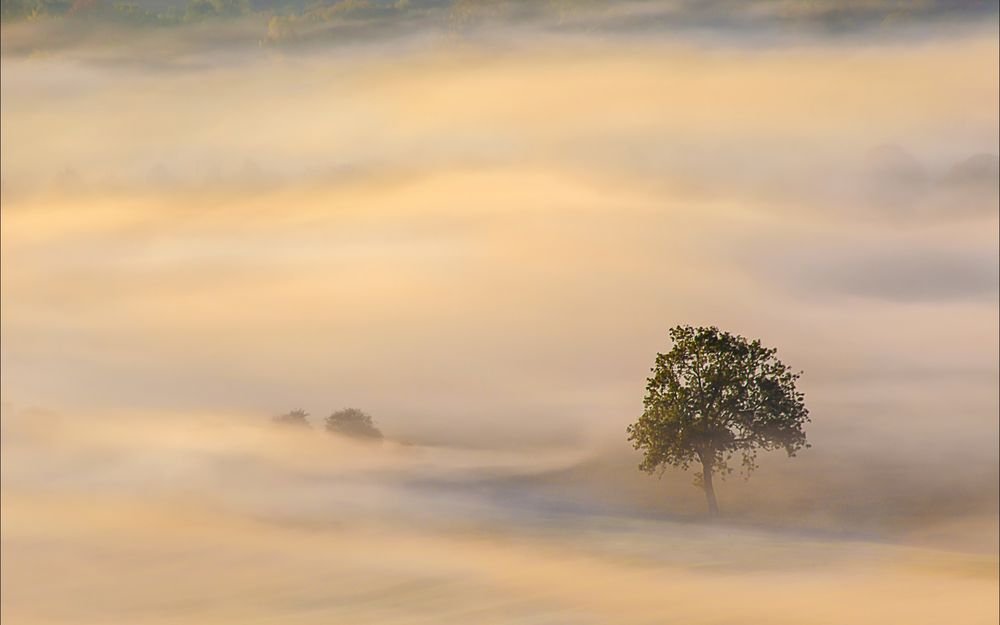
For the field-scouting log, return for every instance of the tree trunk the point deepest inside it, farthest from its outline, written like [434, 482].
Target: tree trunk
[706, 480]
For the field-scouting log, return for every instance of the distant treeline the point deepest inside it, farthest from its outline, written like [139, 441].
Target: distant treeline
[125, 13]
[294, 19]
[147, 13]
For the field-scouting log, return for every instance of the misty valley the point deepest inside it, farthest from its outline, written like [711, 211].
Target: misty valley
[499, 312]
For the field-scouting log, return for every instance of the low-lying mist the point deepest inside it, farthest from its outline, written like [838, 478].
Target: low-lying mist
[176, 519]
[482, 239]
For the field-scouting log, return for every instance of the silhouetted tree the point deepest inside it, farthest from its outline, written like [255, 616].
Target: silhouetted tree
[714, 395]
[354, 423]
[295, 417]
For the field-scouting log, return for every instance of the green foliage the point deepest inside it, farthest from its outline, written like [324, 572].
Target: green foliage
[318, 17]
[122, 13]
[295, 417]
[715, 395]
[134, 15]
[295, 19]
[353, 423]
[201, 9]
[32, 9]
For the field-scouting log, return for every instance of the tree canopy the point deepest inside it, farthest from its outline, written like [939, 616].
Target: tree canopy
[294, 417]
[354, 423]
[713, 396]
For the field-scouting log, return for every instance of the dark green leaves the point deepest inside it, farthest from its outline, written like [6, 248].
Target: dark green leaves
[713, 395]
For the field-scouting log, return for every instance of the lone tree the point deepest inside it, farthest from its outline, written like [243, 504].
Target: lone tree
[354, 423]
[712, 396]
[295, 417]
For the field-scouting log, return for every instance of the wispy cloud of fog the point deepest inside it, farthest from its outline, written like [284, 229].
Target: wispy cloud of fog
[487, 241]
[178, 518]
[907, 276]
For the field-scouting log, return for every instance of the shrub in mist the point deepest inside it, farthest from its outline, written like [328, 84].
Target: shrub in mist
[295, 418]
[353, 423]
